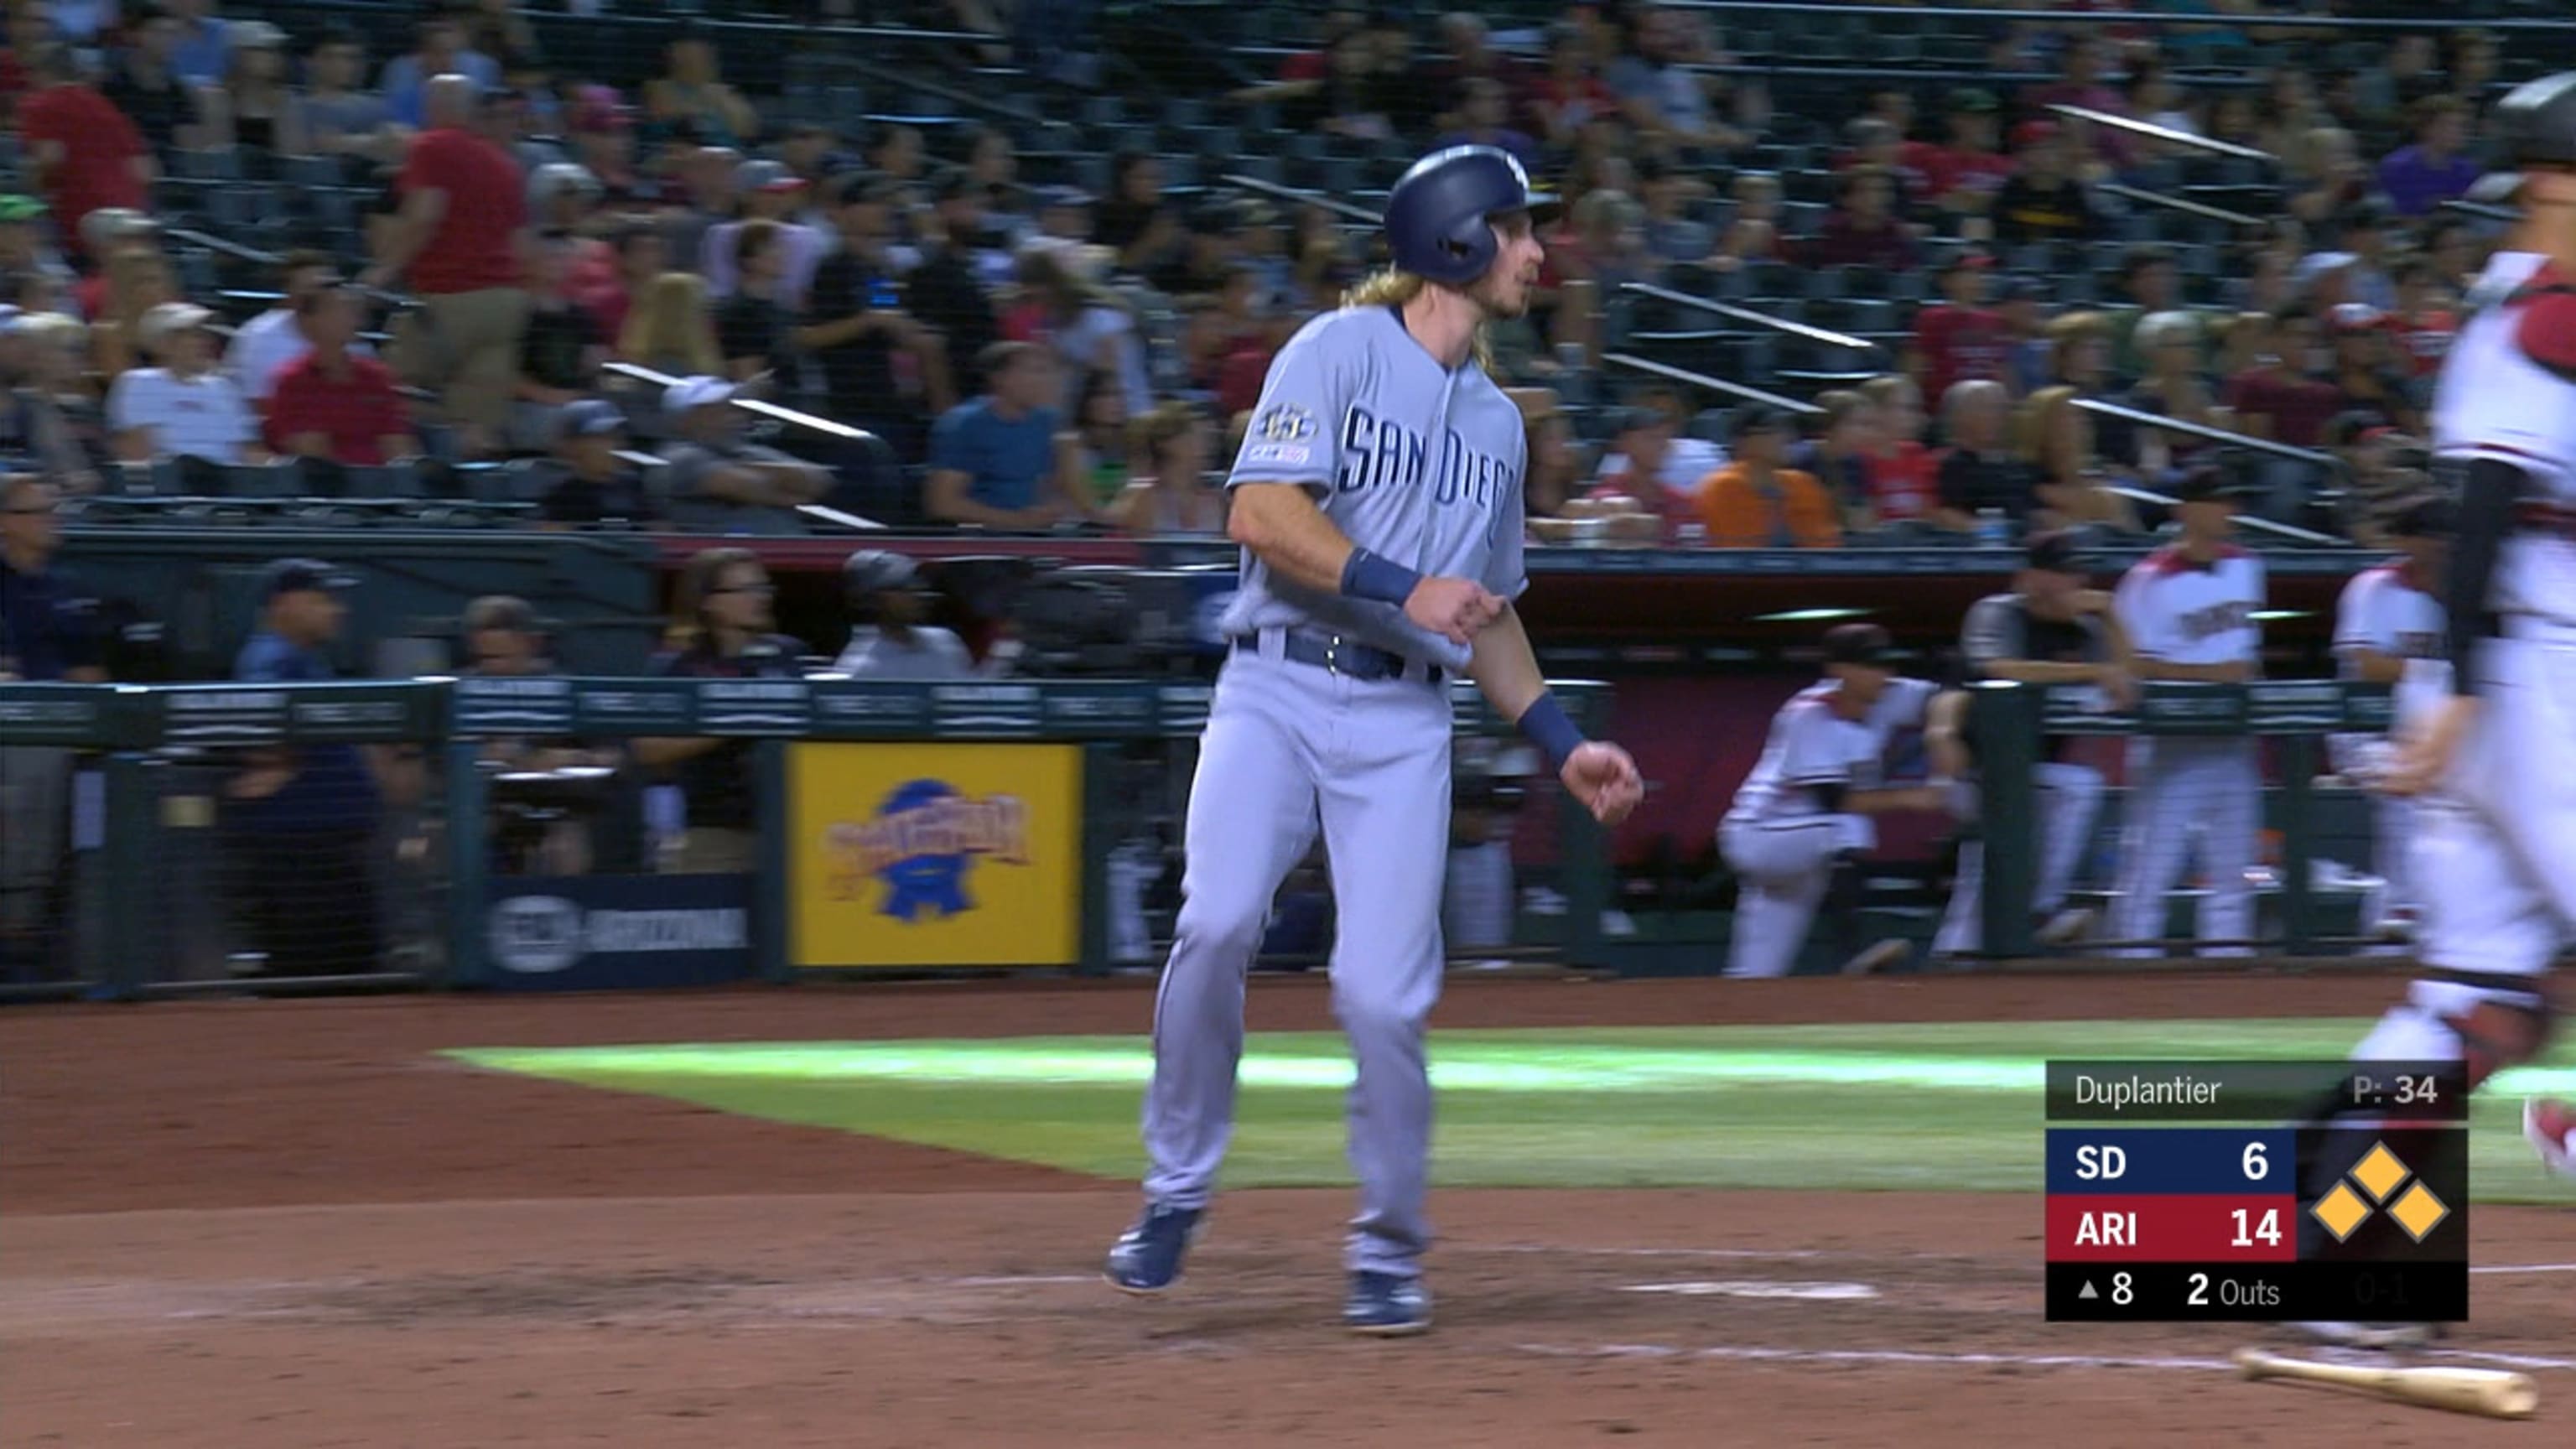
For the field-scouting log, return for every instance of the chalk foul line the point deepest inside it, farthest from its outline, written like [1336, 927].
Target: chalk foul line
[1758, 1353]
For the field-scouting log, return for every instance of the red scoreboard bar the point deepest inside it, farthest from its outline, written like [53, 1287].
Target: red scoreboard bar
[2173, 1228]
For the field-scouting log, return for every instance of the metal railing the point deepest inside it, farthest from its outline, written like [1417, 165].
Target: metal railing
[1759, 319]
[1714, 384]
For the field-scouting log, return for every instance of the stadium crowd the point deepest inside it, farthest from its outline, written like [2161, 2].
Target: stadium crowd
[1039, 356]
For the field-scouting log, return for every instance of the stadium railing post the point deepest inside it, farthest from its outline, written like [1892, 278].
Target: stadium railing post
[2298, 819]
[469, 866]
[2006, 720]
[770, 913]
[1099, 840]
[125, 863]
[1584, 848]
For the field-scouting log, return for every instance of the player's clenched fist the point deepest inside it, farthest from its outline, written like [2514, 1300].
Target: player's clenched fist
[1601, 775]
[1455, 609]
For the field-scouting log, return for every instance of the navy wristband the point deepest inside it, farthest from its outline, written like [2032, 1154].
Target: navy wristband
[1367, 576]
[1548, 727]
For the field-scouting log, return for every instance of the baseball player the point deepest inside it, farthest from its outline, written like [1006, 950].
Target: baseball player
[2188, 609]
[2495, 852]
[1805, 810]
[2051, 629]
[2388, 616]
[887, 638]
[1377, 497]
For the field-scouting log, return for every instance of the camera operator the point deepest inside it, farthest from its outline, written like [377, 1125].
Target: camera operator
[721, 628]
[544, 791]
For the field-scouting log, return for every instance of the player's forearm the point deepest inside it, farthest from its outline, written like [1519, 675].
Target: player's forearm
[1282, 526]
[1505, 668]
[1895, 801]
[1943, 743]
[2375, 667]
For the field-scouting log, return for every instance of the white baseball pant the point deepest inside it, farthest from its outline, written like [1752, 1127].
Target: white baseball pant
[2068, 798]
[1782, 868]
[2183, 791]
[2495, 848]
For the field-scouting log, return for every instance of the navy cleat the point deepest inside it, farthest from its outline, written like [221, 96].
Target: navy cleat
[1147, 1257]
[1386, 1306]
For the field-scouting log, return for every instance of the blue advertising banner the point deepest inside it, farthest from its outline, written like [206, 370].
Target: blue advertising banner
[618, 932]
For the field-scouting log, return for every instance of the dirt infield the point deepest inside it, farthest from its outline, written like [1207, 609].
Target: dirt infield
[281, 1224]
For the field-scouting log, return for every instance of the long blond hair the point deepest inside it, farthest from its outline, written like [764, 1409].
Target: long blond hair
[2036, 435]
[1394, 287]
[670, 321]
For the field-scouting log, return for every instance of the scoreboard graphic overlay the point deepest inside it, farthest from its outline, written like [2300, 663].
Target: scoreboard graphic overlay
[2260, 1191]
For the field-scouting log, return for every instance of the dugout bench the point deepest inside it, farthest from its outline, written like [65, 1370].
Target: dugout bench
[879, 801]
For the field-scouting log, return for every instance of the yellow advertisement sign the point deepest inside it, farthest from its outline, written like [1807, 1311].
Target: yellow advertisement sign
[934, 855]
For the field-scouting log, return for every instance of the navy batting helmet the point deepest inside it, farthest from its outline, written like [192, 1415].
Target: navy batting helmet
[1436, 216]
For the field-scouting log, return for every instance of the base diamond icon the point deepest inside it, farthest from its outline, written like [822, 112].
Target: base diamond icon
[2341, 1210]
[2379, 1172]
[2419, 1212]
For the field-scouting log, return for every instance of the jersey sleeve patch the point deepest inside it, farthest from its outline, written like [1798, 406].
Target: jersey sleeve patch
[2547, 331]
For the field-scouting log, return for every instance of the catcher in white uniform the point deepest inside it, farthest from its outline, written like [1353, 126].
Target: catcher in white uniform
[2388, 616]
[1807, 806]
[2484, 757]
[2188, 609]
[2495, 857]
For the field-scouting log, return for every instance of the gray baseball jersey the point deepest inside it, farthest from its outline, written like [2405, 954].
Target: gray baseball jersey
[929, 654]
[1412, 461]
[1420, 464]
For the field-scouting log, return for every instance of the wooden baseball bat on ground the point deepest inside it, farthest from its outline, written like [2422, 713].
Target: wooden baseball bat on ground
[2493, 1393]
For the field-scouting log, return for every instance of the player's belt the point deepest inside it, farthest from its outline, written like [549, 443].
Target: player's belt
[2533, 516]
[1338, 655]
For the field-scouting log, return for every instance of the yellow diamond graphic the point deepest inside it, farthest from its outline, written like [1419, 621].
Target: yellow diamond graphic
[2379, 1173]
[2419, 1212]
[2341, 1210]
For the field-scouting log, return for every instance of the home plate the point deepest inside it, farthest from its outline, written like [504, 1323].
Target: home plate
[1755, 1288]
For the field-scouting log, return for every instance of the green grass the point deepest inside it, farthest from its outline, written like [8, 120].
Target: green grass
[1921, 1107]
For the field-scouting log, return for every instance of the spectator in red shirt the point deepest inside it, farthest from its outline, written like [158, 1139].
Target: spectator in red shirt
[83, 153]
[1963, 174]
[1877, 142]
[1311, 65]
[2280, 397]
[2423, 322]
[463, 238]
[1862, 230]
[605, 278]
[1960, 339]
[1904, 477]
[333, 404]
[1572, 95]
[1642, 481]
